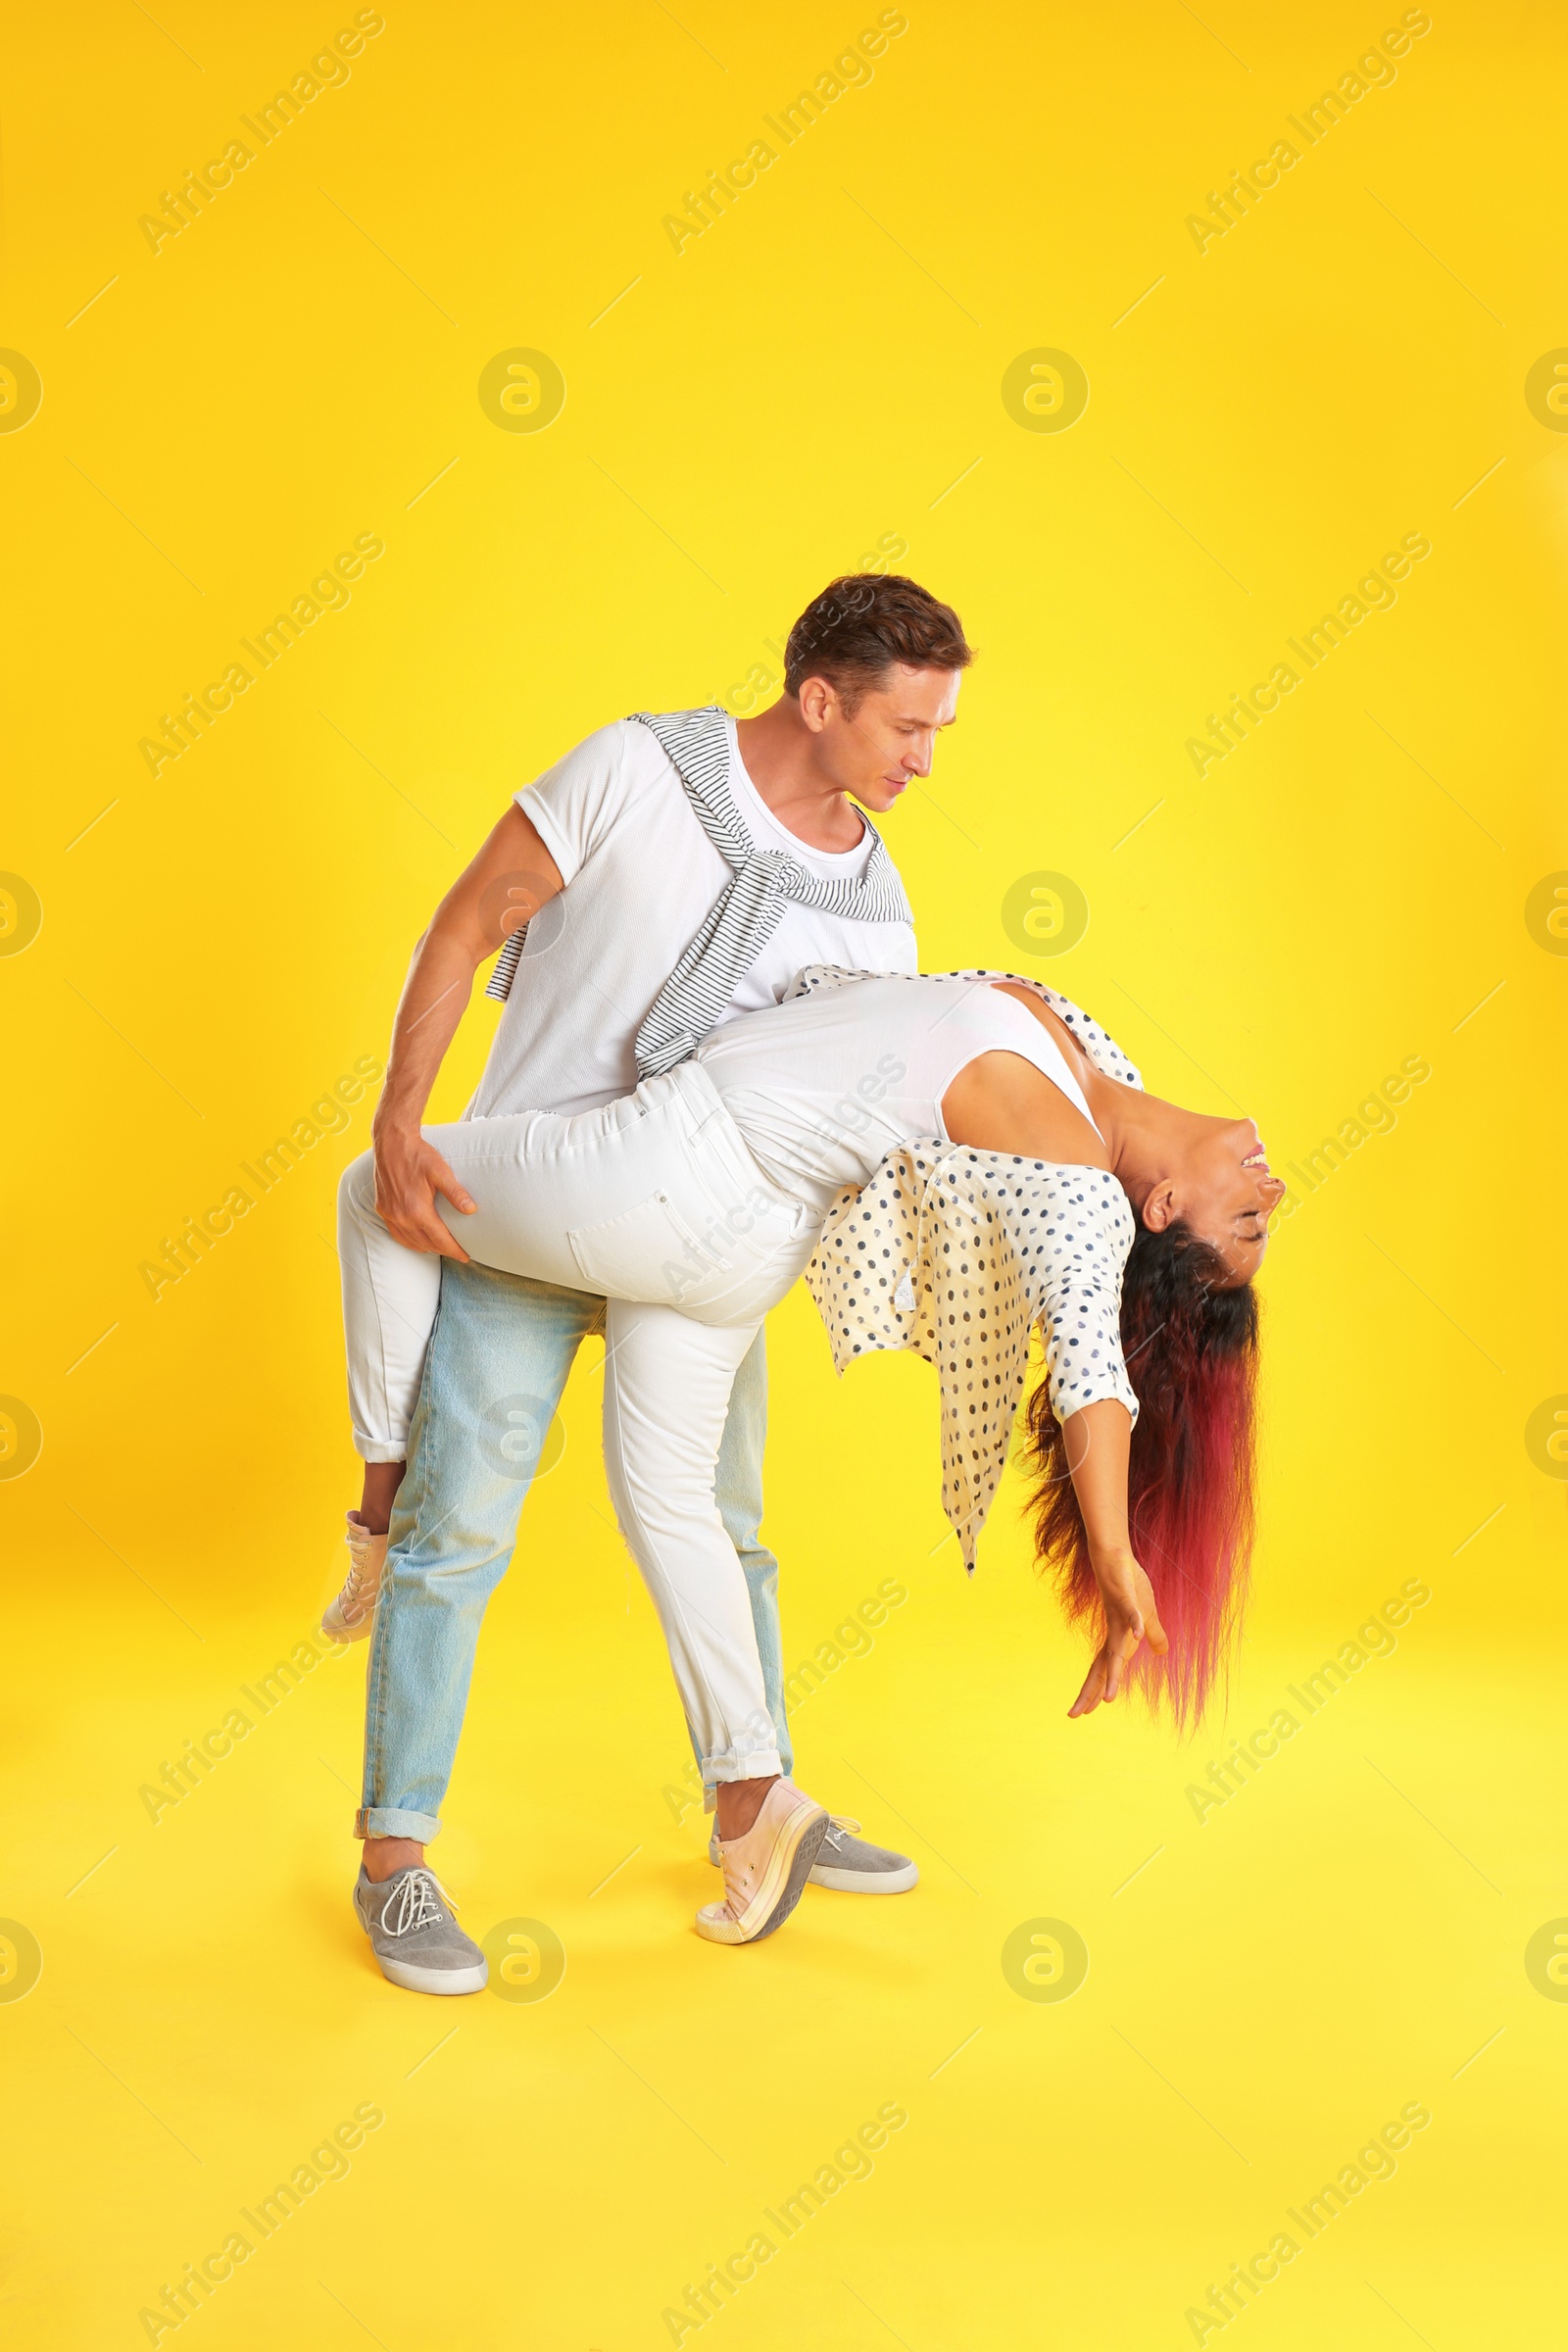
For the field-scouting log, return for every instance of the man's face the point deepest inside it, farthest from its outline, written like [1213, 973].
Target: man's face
[890, 738]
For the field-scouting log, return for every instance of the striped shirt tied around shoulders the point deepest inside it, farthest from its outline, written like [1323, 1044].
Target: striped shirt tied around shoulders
[745, 916]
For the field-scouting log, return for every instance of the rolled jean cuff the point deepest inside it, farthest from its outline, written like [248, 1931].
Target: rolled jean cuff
[386, 1821]
[737, 1764]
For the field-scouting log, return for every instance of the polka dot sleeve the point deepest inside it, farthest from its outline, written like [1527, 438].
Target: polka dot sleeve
[1078, 1308]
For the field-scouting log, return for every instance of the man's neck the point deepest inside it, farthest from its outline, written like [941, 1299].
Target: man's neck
[778, 752]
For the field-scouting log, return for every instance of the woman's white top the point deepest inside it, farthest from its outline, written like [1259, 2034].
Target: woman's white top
[933, 1246]
[825, 1085]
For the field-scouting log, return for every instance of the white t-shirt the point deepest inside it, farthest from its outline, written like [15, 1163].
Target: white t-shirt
[826, 1086]
[641, 876]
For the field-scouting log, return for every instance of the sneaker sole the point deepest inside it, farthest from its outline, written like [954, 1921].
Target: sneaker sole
[411, 1979]
[337, 1629]
[799, 1870]
[866, 1881]
[434, 1979]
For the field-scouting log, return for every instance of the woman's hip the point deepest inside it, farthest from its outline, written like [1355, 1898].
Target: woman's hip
[652, 1198]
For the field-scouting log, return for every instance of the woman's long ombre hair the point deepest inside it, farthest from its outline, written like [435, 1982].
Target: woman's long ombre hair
[1192, 1355]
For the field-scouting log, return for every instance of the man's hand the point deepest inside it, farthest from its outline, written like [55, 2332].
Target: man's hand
[1131, 1617]
[408, 1174]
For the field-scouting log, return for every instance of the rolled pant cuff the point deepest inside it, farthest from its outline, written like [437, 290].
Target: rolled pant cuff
[758, 1764]
[385, 1821]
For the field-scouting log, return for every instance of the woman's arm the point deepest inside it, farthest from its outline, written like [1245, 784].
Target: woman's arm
[1098, 1439]
[513, 876]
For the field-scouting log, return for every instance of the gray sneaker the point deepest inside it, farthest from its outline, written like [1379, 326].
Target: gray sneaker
[851, 1865]
[414, 1936]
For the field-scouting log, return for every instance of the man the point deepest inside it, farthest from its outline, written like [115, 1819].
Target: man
[670, 873]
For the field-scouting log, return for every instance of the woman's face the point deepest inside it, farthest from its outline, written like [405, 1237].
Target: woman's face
[1226, 1194]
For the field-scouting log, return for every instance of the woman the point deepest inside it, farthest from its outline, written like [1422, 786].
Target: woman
[694, 1203]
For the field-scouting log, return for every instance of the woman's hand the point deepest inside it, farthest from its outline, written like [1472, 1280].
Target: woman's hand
[1131, 1617]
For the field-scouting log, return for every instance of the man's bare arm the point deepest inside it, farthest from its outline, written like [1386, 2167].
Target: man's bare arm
[513, 876]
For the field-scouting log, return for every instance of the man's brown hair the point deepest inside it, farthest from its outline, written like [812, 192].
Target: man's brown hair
[861, 624]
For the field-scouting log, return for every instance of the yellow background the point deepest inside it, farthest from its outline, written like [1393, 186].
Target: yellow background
[299, 366]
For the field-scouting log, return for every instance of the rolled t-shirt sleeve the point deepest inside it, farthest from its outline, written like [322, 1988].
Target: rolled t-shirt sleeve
[575, 805]
[1080, 1327]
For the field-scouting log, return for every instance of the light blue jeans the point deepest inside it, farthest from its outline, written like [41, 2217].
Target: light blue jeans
[498, 1361]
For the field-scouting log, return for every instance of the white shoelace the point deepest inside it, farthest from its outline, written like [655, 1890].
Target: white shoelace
[358, 1593]
[364, 1580]
[416, 1901]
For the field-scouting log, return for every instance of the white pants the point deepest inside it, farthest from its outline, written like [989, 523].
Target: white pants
[654, 1204]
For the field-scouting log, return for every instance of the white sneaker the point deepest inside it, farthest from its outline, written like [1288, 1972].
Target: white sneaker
[766, 1869]
[852, 1864]
[350, 1616]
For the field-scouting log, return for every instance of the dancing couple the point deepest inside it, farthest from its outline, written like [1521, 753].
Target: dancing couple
[718, 1068]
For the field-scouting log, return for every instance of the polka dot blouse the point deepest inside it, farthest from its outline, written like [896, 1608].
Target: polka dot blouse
[958, 1254]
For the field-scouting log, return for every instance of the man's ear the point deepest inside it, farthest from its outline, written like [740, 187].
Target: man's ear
[816, 698]
[1159, 1209]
